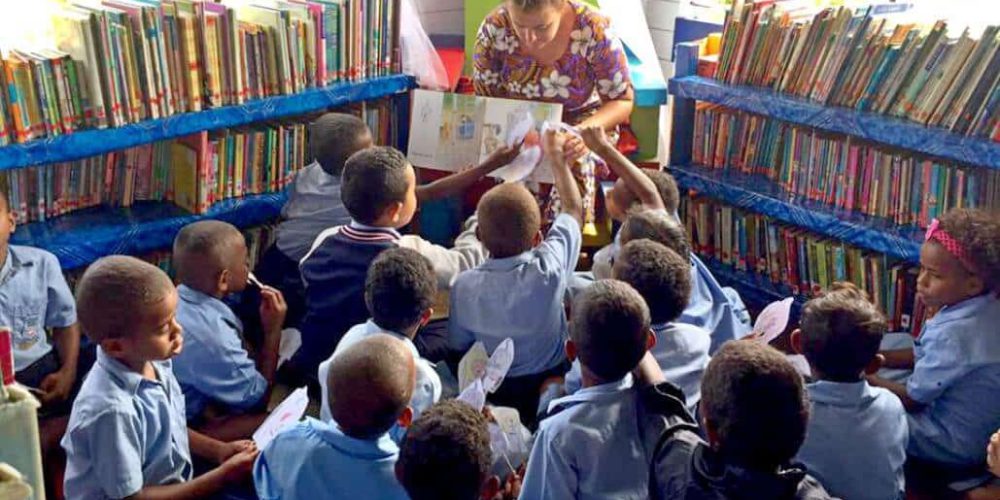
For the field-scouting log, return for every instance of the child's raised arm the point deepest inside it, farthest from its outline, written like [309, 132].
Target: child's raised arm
[569, 193]
[640, 185]
[460, 181]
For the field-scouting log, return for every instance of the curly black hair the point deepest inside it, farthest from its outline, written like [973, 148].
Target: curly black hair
[610, 328]
[841, 332]
[446, 453]
[662, 277]
[654, 225]
[400, 286]
[373, 179]
[978, 230]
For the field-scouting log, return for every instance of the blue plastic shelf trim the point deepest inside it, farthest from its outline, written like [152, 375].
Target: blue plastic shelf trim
[93, 142]
[79, 238]
[871, 126]
[754, 289]
[761, 195]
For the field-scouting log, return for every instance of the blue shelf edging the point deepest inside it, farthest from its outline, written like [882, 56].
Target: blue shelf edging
[761, 195]
[79, 238]
[754, 289]
[97, 141]
[875, 127]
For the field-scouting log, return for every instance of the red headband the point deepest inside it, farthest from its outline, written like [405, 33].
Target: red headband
[934, 232]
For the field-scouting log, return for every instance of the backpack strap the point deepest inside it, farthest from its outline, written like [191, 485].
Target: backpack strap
[661, 413]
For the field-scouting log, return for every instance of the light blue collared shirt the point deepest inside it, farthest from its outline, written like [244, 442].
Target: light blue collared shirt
[856, 440]
[520, 297]
[313, 205]
[426, 392]
[33, 296]
[125, 432]
[682, 353]
[957, 375]
[214, 366]
[315, 460]
[589, 448]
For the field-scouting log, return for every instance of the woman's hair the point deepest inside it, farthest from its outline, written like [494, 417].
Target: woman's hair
[979, 233]
[530, 5]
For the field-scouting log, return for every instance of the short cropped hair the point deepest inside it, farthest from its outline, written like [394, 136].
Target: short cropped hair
[756, 403]
[114, 294]
[661, 277]
[373, 179]
[610, 328]
[334, 137]
[370, 384]
[667, 187]
[509, 219]
[400, 286]
[446, 453]
[203, 249]
[654, 225]
[841, 332]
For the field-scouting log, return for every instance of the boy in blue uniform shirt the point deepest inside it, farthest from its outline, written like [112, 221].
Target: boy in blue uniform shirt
[221, 382]
[589, 446]
[127, 434]
[399, 293]
[370, 384]
[856, 440]
[518, 293]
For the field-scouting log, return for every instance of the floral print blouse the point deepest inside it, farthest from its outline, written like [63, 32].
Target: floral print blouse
[593, 70]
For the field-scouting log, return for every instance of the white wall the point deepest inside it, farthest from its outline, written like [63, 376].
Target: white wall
[442, 17]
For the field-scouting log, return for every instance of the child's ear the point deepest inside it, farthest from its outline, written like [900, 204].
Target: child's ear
[570, 350]
[796, 340]
[974, 285]
[875, 364]
[405, 418]
[537, 240]
[114, 347]
[222, 281]
[391, 213]
[650, 339]
[425, 317]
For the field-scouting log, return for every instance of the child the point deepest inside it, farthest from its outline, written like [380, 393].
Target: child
[399, 293]
[370, 384]
[127, 434]
[446, 454]
[215, 369]
[856, 440]
[716, 309]
[589, 447]
[755, 412]
[952, 395]
[518, 293]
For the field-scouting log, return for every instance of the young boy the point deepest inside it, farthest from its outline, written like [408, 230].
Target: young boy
[589, 447]
[370, 384]
[856, 440]
[446, 454]
[755, 412]
[215, 371]
[518, 293]
[127, 434]
[399, 293]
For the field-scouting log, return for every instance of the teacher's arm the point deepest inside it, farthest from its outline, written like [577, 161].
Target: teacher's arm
[609, 69]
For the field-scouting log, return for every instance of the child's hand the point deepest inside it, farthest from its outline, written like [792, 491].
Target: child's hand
[501, 156]
[553, 145]
[509, 490]
[56, 386]
[238, 467]
[993, 454]
[272, 310]
[228, 450]
[596, 139]
[574, 149]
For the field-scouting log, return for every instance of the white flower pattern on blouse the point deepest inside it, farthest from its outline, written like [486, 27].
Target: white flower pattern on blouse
[488, 77]
[556, 85]
[583, 41]
[613, 88]
[504, 42]
[531, 91]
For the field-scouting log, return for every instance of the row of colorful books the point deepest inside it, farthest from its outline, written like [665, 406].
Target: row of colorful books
[855, 59]
[841, 171]
[124, 61]
[797, 261]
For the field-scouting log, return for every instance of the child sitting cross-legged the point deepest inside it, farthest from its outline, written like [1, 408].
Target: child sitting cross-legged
[589, 446]
[518, 293]
[222, 385]
[856, 440]
[127, 435]
[370, 384]
[399, 293]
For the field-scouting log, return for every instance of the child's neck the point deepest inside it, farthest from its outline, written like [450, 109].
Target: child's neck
[212, 291]
[588, 379]
[142, 367]
[410, 333]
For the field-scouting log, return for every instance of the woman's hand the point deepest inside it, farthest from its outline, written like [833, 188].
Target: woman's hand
[574, 149]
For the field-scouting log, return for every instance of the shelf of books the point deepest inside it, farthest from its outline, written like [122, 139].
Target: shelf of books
[141, 116]
[816, 148]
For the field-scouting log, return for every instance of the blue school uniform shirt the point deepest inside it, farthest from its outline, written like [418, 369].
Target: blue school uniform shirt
[520, 297]
[313, 205]
[214, 366]
[957, 376]
[426, 392]
[125, 432]
[33, 296]
[316, 460]
[856, 440]
[682, 353]
[589, 447]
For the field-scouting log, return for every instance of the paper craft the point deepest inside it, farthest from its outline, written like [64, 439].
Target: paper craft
[498, 365]
[472, 366]
[773, 320]
[291, 341]
[474, 395]
[451, 131]
[509, 440]
[285, 415]
[801, 364]
[254, 281]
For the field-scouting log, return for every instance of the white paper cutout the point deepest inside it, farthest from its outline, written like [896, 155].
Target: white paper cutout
[285, 415]
[291, 341]
[498, 365]
[773, 320]
[519, 127]
[800, 363]
[474, 395]
[472, 366]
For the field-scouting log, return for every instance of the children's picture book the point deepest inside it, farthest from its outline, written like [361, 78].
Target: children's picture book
[453, 131]
[285, 415]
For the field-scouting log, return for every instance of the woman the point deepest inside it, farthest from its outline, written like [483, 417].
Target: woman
[556, 51]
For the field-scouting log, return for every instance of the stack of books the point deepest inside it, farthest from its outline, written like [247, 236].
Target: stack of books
[855, 59]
